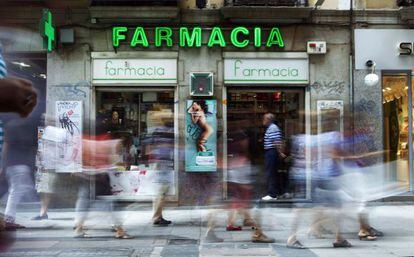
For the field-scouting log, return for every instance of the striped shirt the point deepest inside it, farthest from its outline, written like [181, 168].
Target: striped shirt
[272, 135]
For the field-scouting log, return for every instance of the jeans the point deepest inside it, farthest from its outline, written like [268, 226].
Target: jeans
[20, 181]
[271, 167]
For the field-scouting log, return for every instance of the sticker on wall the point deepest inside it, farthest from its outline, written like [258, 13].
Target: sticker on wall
[201, 136]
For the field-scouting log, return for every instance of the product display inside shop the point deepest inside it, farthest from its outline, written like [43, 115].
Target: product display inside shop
[136, 118]
[245, 110]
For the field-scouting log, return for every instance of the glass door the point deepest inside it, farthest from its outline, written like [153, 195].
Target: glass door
[245, 110]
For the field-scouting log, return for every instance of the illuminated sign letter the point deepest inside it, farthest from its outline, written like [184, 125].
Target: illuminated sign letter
[216, 38]
[139, 38]
[163, 34]
[187, 39]
[117, 36]
[234, 39]
[257, 37]
[275, 38]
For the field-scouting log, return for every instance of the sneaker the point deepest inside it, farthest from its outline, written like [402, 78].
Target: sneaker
[268, 198]
[212, 238]
[262, 238]
[162, 222]
[233, 228]
[40, 217]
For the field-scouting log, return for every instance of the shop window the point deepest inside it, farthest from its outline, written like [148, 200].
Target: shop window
[144, 122]
[396, 111]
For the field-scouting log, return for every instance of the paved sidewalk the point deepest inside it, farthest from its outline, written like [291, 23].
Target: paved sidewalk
[185, 237]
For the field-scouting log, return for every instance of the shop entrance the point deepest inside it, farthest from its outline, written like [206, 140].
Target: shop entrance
[398, 126]
[144, 119]
[245, 110]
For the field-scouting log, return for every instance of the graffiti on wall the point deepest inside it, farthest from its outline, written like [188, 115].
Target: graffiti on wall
[329, 87]
[76, 91]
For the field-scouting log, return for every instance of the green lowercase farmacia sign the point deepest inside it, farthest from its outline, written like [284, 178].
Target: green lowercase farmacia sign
[192, 37]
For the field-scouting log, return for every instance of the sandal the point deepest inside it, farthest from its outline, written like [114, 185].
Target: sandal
[233, 228]
[342, 244]
[295, 245]
[364, 236]
[82, 235]
[123, 236]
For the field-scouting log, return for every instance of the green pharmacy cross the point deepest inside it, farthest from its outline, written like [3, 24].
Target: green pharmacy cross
[47, 30]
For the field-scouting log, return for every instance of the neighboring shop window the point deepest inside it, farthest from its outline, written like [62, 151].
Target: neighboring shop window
[396, 123]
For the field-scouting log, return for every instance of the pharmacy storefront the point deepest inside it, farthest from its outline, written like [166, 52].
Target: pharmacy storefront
[197, 86]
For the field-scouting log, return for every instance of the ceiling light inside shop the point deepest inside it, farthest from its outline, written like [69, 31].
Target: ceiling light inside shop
[21, 64]
[42, 75]
[388, 88]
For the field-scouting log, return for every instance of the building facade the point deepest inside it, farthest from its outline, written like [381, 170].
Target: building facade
[132, 65]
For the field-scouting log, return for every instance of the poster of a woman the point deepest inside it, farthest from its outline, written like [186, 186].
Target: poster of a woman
[198, 111]
[201, 135]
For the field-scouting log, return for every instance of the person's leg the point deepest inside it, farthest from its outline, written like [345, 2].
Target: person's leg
[82, 206]
[158, 206]
[258, 236]
[270, 167]
[20, 183]
[117, 220]
[45, 201]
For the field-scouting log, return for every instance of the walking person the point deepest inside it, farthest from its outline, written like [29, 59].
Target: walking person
[17, 96]
[273, 146]
[159, 147]
[240, 180]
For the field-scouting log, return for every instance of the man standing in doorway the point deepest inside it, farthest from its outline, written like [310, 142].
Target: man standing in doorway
[273, 147]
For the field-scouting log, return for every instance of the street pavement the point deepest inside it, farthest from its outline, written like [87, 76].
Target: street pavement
[185, 237]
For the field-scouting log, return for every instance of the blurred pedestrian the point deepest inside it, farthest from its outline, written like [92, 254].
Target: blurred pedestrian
[240, 173]
[159, 145]
[16, 161]
[100, 155]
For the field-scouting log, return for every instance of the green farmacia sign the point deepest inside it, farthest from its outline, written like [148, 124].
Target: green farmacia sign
[163, 37]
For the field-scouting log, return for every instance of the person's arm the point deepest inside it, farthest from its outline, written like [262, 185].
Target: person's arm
[17, 95]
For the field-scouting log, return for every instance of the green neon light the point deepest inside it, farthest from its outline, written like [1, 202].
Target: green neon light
[240, 37]
[190, 40]
[216, 38]
[139, 38]
[163, 34]
[234, 37]
[117, 36]
[257, 37]
[275, 38]
[47, 30]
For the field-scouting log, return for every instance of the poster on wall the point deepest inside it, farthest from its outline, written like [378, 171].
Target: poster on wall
[201, 136]
[69, 117]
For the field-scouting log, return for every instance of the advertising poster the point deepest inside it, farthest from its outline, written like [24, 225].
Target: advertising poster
[201, 136]
[69, 117]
